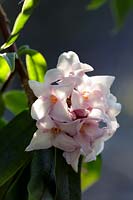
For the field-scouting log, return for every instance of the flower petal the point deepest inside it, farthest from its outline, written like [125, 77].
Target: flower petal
[72, 158]
[60, 112]
[66, 60]
[45, 124]
[70, 127]
[37, 88]
[97, 148]
[64, 142]
[106, 81]
[40, 141]
[53, 75]
[40, 108]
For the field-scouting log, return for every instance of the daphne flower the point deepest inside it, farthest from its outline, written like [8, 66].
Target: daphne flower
[74, 112]
[50, 134]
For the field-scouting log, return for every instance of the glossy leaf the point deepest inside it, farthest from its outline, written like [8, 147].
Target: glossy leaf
[36, 66]
[95, 4]
[36, 63]
[67, 180]
[42, 177]
[15, 101]
[4, 70]
[120, 10]
[10, 59]
[14, 138]
[27, 9]
[90, 173]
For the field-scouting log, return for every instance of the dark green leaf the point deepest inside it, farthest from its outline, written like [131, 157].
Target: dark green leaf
[42, 177]
[2, 105]
[18, 187]
[67, 180]
[21, 20]
[15, 101]
[90, 173]
[2, 123]
[4, 189]
[14, 138]
[120, 10]
[95, 4]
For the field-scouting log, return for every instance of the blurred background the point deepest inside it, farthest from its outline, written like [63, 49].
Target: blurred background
[60, 25]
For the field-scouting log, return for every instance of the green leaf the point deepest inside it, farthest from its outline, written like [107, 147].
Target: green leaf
[15, 101]
[36, 66]
[4, 70]
[21, 20]
[42, 177]
[120, 10]
[95, 4]
[14, 138]
[4, 189]
[2, 122]
[90, 173]
[7, 65]
[18, 186]
[10, 59]
[2, 106]
[67, 180]
[36, 63]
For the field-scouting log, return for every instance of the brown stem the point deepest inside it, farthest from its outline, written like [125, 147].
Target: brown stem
[5, 30]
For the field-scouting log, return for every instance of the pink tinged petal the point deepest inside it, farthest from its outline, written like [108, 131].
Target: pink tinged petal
[97, 114]
[82, 69]
[84, 142]
[45, 124]
[40, 141]
[60, 112]
[37, 88]
[97, 148]
[77, 100]
[70, 127]
[81, 113]
[64, 142]
[66, 60]
[86, 67]
[114, 108]
[53, 75]
[72, 158]
[40, 108]
[62, 91]
[90, 157]
[106, 81]
[74, 81]
[111, 129]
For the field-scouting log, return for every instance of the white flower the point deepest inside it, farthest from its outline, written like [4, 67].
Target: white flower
[74, 112]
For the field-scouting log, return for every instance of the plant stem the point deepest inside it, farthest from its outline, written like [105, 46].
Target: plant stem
[5, 30]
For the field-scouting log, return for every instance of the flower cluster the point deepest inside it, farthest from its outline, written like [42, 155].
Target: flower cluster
[74, 112]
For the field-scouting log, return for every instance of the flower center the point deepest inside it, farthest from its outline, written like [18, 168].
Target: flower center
[55, 130]
[53, 99]
[85, 95]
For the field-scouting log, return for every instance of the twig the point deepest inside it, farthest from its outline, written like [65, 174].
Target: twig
[5, 30]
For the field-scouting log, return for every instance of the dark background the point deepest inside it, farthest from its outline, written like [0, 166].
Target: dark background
[60, 25]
